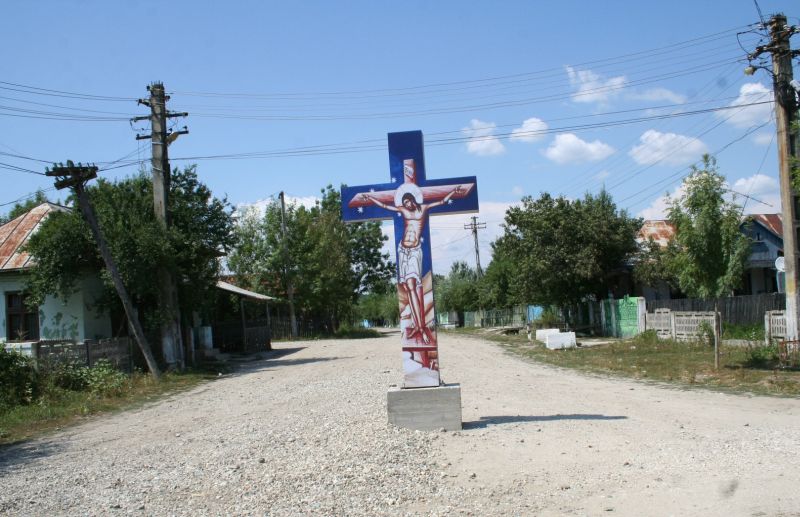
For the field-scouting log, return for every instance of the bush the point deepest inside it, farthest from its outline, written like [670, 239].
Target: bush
[19, 383]
[104, 380]
[68, 375]
[761, 356]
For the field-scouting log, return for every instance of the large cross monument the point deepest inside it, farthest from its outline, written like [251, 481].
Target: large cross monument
[409, 199]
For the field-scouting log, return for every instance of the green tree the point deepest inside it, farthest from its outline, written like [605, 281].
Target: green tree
[563, 251]
[64, 248]
[329, 263]
[710, 251]
[20, 208]
[458, 291]
[496, 289]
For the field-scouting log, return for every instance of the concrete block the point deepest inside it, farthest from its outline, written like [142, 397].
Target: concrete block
[561, 340]
[541, 334]
[425, 409]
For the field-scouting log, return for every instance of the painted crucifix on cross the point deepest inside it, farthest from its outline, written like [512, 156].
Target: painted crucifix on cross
[409, 200]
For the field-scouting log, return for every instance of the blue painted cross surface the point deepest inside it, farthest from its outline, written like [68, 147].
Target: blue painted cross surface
[409, 199]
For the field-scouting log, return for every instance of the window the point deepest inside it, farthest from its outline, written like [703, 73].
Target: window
[22, 322]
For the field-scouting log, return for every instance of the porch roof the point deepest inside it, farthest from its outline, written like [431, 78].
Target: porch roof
[225, 286]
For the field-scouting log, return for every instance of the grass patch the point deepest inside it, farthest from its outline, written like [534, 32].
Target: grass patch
[57, 407]
[746, 332]
[742, 369]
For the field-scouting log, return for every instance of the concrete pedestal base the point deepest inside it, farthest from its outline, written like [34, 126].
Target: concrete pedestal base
[426, 409]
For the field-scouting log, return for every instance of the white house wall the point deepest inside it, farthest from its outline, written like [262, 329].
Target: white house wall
[74, 319]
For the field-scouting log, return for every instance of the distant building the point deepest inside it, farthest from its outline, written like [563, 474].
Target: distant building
[766, 234]
[76, 318]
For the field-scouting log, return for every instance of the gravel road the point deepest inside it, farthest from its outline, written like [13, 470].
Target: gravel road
[305, 433]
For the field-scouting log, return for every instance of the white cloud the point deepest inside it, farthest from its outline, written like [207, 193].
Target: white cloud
[568, 148]
[659, 94]
[530, 131]
[764, 189]
[602, 175]
[667, 148]
[261, 204]
[482, 141]
[751, 115]
[592, 87]
[517, 190]
[763, 138]
[658, 208]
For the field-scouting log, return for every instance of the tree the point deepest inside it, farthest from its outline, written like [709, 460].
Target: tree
[20, 208]
[563, 251]
[710, 251]
[330, 263]
[496, 289]
[458, 291]
[64, 249]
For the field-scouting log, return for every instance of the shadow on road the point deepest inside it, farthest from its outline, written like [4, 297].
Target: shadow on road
[486, 421]
[21, 452]
[273, 359]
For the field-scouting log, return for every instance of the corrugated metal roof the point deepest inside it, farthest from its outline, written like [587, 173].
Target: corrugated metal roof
[659, 230]
[771, 222]
[15, 234]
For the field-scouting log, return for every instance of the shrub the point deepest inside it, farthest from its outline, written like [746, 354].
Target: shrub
[104, 380]
[19, 382]
[705, 333]
[68, 375]
[761, 356]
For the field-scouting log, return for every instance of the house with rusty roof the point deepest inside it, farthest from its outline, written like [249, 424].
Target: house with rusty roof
[76, 318]
[766, 234]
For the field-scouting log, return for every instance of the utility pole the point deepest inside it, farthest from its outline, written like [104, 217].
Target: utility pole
[76, 177]
[785, 117]
[475, 226]
[171, 339]
[287, 276]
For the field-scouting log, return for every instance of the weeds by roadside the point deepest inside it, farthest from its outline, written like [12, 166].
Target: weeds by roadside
[743, 369]
[34, 402]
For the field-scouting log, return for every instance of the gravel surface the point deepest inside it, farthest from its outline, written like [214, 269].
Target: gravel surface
[305, 433]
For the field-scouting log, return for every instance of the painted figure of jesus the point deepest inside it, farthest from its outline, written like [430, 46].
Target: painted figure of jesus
[408, 201]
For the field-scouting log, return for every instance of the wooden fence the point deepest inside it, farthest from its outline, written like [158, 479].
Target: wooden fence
[117, 351]
[737, 310]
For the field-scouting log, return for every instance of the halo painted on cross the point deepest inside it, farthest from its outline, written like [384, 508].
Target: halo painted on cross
[407, 188]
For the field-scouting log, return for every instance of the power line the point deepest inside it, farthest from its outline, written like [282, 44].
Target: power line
[640, 54]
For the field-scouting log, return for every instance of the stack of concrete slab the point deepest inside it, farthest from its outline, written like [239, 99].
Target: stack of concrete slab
[541, 334]
[560, 340]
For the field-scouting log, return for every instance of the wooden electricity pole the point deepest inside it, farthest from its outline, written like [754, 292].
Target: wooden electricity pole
[288, 277]
[75, 177]
[475, 226]
[171, 338]
[785, 117]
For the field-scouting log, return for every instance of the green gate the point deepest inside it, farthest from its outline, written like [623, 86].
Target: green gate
[621, 317]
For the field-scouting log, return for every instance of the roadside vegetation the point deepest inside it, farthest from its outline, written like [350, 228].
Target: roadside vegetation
[752, 369]
[33, 402]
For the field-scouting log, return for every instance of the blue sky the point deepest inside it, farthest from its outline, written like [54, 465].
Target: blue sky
[559, 97]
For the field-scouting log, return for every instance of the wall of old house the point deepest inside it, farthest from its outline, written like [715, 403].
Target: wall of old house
[74, 318]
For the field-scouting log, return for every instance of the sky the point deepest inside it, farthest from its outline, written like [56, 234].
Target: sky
[561, 97]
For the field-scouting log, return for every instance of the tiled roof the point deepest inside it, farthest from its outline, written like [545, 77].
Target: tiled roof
[659, 230]
[771, 222]
[15, 234]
